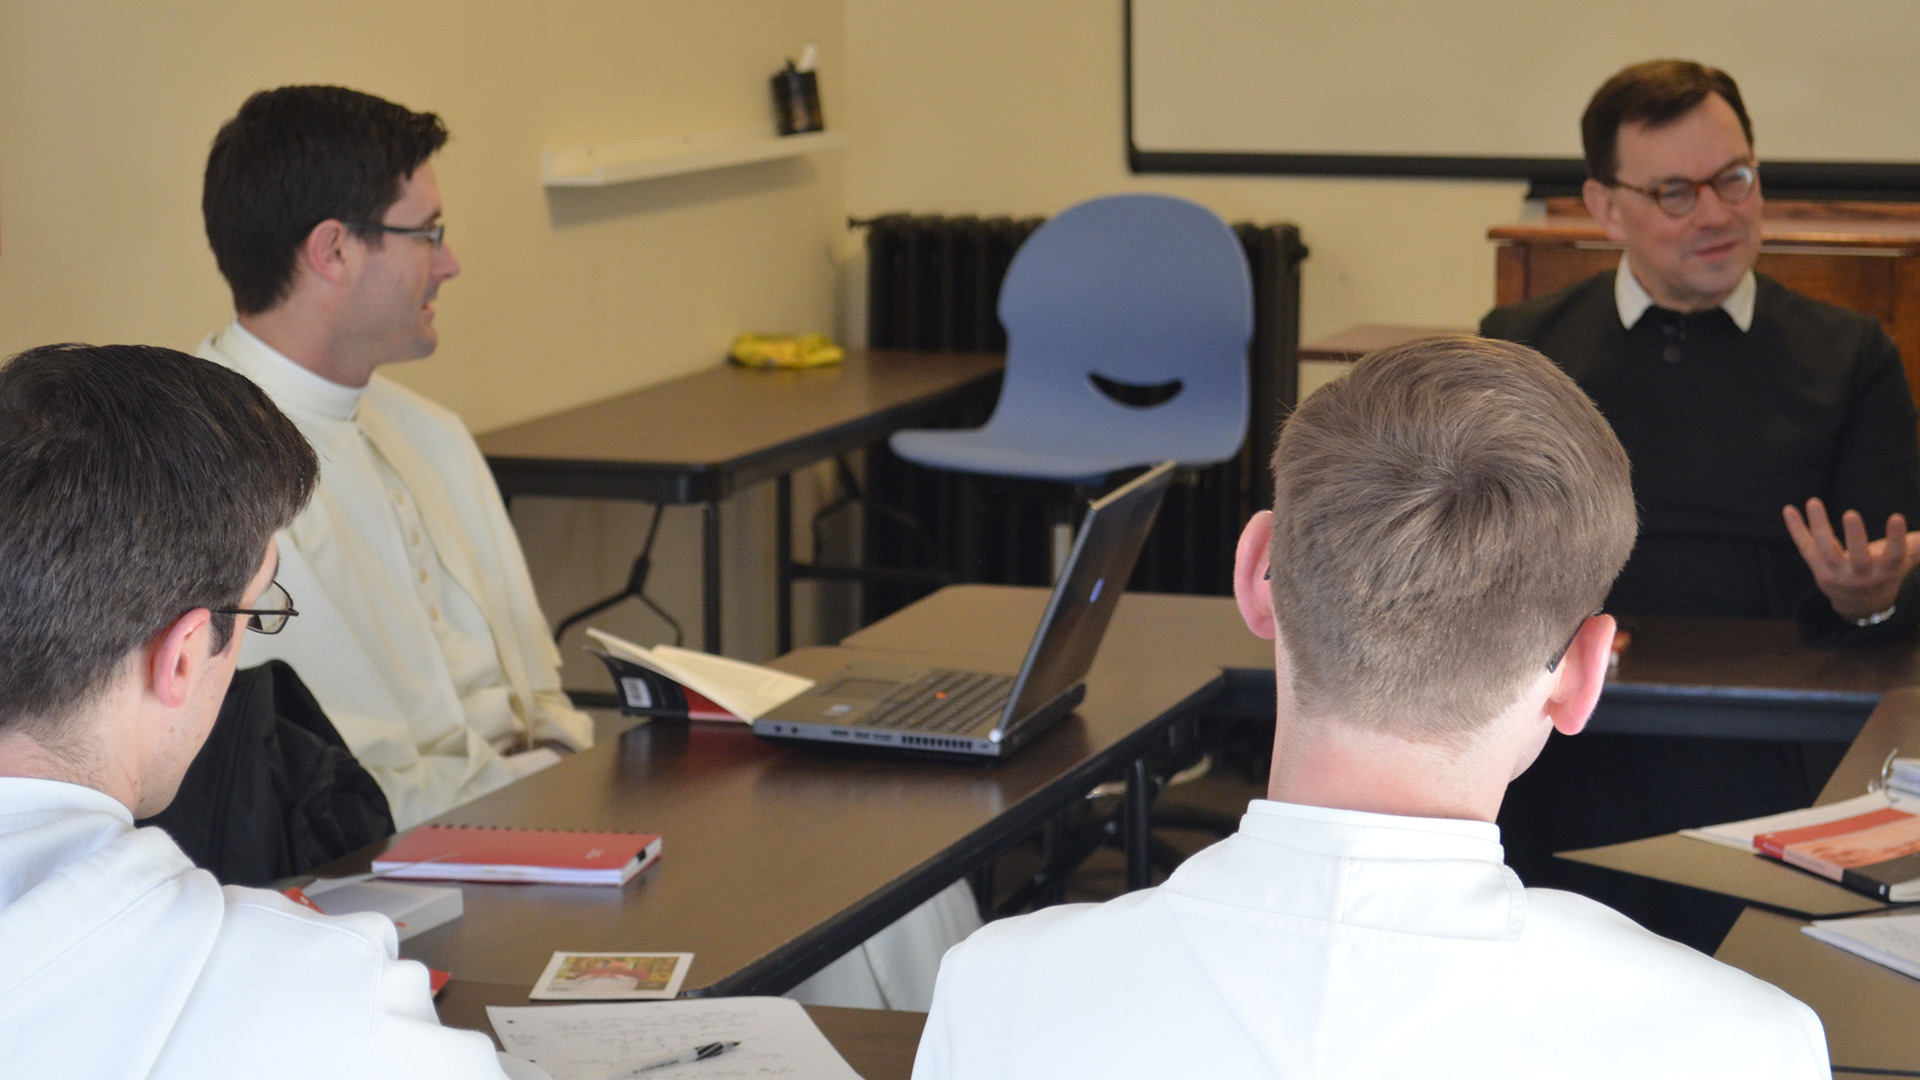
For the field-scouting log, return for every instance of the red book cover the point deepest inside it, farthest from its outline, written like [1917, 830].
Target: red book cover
[1775, 843]
[492, 853]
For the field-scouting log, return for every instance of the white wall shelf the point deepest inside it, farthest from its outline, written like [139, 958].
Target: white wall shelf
[676, 155]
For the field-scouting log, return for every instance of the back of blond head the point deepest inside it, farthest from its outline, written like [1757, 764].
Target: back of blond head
[1444, 516]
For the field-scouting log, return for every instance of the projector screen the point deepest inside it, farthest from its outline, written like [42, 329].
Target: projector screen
[1494, 88]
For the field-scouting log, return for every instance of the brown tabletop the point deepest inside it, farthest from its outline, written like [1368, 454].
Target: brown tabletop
[879, 1044]
[1780, 227]
[777, 859]
[1895, 723]
[1357, 341]
[1868, 1010]
[1747, 679]
[701, 437]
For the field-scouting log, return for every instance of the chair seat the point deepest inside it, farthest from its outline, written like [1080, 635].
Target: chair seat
[999, 453]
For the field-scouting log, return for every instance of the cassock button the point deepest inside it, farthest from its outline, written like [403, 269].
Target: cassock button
[423, 576]
[1672, 354]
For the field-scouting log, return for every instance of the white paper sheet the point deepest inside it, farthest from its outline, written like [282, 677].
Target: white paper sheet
[1892, 941]
[1740, 834]
[748, 690]
[777, 1038]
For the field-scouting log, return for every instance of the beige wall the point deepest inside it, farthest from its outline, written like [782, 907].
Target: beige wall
[1016, 106]
[987, 106]
[106, 111]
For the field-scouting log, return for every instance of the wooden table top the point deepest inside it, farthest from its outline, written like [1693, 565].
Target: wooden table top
[1357, 341]
[1752, 655]
[878, 1043]
[993, 624]
[1892, 233]
[1866, 1009]
[731, 426]
[778, 859]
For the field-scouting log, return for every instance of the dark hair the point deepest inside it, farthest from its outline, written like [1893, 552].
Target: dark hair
[136, 484]
[1444, 516]
[1653, 93]
[293, 158]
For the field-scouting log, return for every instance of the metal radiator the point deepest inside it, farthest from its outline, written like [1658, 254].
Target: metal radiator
[933, 283]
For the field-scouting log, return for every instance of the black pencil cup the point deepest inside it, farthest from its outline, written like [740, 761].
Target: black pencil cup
[796, 102]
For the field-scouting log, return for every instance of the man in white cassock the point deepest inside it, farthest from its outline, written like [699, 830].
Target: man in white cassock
[420, 632]
[1446, 520]
[140, 489]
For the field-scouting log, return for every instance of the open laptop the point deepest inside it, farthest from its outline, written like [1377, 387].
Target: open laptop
[915, 710]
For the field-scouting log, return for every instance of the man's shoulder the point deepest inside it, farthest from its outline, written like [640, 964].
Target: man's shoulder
[1776, 303]
[1528, 320]
[1616, 964]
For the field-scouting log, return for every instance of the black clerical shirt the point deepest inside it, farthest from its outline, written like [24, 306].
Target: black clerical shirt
[1726, 427]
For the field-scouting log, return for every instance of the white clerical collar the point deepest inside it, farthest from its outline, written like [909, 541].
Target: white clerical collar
[289, 384]
[1633, 301]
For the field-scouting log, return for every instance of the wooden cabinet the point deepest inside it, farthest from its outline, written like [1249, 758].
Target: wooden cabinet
[1864, 256]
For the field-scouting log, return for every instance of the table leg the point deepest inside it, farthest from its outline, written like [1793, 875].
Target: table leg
[1139, 806]
[710, 577]
[783, 563]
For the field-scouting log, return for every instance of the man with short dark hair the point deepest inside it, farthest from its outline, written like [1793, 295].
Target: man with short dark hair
[1739, 401]
[140, 489]
[420, 632]
[1446, 519]
[421, 635]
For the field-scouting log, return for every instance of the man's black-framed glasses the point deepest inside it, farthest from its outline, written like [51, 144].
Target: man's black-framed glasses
[1677, 197]
[1554, 664]
[271, 618]
[435, 233]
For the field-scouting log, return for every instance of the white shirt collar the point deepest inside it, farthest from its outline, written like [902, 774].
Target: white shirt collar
[23, 794]
[286, 382]
[1633, 301]
[1357, 833]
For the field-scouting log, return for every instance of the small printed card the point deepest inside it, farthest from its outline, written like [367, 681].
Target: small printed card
[606, 976]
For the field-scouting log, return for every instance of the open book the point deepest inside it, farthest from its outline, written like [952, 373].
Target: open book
[666, 680]
[1870, 844]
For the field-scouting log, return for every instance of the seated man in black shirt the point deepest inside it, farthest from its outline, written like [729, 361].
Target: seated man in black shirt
[1737, 400]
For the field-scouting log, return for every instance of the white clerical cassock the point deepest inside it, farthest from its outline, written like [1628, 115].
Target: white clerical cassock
[419, 631]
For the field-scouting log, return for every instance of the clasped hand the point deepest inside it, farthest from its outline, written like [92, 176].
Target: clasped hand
[1860, 577]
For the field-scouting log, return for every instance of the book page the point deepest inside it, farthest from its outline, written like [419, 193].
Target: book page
[776, 1036]
[747, 690]
[1893, 941]
[1740, 834]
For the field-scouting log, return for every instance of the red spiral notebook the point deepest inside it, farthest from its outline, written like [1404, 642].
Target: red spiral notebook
[496, 853]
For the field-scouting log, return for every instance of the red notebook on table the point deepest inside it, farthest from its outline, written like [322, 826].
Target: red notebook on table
[495, 853]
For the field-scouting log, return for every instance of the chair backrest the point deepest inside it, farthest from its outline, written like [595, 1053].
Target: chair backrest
[1128, 297]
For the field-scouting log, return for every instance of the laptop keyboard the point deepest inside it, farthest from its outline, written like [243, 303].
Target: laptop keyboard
[944, 701]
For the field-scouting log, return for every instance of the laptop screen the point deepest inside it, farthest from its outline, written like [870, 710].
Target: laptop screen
[1090, 585]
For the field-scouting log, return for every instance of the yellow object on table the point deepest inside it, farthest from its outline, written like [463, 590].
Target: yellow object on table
[785, 351]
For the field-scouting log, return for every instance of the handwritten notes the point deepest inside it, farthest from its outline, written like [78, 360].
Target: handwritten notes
[777, 1038]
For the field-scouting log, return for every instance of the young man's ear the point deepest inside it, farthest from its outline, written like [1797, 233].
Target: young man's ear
[1581, 676]
[1251, 587]
[324, 252]
[177, 656]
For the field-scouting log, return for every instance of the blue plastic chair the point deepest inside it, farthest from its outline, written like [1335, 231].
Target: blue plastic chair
[1128, 319]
